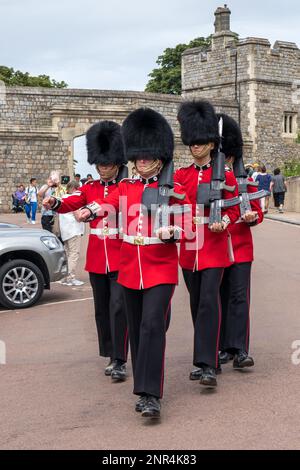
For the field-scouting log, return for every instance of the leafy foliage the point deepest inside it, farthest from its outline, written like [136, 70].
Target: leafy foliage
[167, 77]
[17, 78]
[292, 168]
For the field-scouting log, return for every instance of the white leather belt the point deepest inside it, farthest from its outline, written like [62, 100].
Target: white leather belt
[140, 240]
[201, 220]
[104, 231]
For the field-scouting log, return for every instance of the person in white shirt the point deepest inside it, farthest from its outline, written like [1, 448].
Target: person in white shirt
[71, 232]
[257, 170]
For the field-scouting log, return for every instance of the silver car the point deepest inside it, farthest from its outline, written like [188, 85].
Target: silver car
[30, 259]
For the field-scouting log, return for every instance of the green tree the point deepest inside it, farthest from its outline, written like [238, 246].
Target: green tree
[292, 167]
[167, 77]
[16, 78]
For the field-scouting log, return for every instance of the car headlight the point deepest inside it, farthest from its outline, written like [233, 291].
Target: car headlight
[51, 242]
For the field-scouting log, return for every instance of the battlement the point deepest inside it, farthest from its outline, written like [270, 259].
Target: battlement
[230, 59]
[258, 79]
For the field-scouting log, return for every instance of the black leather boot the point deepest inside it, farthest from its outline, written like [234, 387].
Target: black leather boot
[209, 377]
[118, 372]
[140, 404]
[109, 368]
[196, 374]
[151, 408]
[225, 357]
[242, 360]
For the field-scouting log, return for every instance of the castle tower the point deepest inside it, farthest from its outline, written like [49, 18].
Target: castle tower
[254, 83]
[222, 21]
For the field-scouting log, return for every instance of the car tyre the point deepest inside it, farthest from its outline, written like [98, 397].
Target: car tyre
[21, 284]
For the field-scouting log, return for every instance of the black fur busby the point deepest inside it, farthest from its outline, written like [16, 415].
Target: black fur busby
[105, 144]
[232, 139]
[198, 123]
[147, 135]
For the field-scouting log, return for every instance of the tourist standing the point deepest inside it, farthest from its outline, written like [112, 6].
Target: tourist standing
[31, 201]
[71, 231]
[264, 183]
[47, 190]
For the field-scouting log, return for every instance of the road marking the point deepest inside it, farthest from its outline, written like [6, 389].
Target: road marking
[51, 303]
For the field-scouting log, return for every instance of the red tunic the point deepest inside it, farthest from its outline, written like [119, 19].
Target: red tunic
[211, 249]
[241, 236]
[145, 266]
[103, 252]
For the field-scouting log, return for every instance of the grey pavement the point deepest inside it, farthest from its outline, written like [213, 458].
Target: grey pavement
[54, 394]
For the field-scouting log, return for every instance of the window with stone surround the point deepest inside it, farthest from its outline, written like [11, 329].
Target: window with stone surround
[289, 124]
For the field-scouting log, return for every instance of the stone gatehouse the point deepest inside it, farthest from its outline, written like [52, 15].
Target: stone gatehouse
[247, 79]
[262, 81]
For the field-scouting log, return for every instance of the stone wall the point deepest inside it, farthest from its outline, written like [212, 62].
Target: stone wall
[292, 197]
[37, 128]
[257, 82]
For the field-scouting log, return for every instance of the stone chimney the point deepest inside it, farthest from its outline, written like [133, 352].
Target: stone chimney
[222, 22]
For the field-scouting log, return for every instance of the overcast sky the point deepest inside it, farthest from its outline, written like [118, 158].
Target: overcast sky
[114, 44]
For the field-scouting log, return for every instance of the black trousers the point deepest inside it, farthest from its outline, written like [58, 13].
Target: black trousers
[235, 296]
[278, 199]
[204, 290]
[110, 316]
[47, 222]
[148, 311]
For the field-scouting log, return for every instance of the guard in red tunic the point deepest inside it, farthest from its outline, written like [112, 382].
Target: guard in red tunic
[235, 287]
[148, 259]
[203, 267]
[105, 150]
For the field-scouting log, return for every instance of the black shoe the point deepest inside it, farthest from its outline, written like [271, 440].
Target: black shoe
[209, 377]
[196, 374]
[225, 357]
[118, 372]
[109, 368]
[151, 408]
[242, 360]
[140, 404]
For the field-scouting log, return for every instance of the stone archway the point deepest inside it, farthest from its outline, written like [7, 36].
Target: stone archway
[73, 122]
[38, 127]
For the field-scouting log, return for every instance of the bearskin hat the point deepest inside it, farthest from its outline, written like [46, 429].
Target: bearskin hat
[198, 123]
[232, 140]
[105, 144]
[147, 135]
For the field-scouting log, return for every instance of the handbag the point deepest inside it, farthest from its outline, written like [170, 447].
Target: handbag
[27, 197]
[55, 226]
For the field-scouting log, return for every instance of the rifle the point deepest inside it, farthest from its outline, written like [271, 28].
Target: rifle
[243, 183]
[123, 173]
[210, 194]
[158, 198]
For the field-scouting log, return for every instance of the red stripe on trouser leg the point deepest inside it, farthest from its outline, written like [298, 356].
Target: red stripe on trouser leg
[125, 344]
[248, 325]
[220, 321]
[163, 363]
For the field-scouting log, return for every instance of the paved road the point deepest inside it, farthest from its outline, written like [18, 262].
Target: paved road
[54, 394]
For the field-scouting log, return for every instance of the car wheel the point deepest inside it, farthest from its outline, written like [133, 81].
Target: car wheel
[21, 284]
